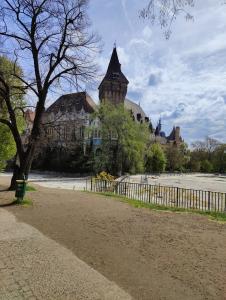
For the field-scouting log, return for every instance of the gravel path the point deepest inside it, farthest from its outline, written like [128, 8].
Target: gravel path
[33, 266]
[148, 254]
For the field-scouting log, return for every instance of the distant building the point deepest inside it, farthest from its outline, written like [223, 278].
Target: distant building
[66, 140]
[174, 138]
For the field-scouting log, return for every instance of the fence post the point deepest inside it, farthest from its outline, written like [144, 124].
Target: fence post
[91, 185]
[177, 196]
[208, 200]
[149, 194]
[105, 185]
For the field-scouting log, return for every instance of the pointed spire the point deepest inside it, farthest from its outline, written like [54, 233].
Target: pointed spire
[114, 65]
[158, 128]
[114, 69]
[171, 137]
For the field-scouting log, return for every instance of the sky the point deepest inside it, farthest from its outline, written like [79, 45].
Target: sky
[183, 79]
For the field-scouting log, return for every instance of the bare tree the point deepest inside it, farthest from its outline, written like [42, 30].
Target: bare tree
[51, 41]
[209, 145]
[165, 12]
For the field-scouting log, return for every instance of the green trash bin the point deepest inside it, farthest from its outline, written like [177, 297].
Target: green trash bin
[20, 189]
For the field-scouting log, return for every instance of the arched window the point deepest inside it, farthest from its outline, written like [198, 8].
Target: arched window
[82, 132]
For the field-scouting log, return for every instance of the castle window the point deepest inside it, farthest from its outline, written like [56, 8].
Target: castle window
[73, 135]
[64, 132]
[81, 132]
[50, 131]
[115, 75]
[139, 117]
[95, 135]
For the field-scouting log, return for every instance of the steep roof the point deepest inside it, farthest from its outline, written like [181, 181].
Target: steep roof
[172, 135]
[74, 101]
[136, 109]
[114, 69]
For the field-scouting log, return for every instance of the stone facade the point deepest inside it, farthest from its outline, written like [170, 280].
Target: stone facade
[65, 139]
[67, 143]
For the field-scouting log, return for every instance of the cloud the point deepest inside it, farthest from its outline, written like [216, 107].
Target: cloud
[154, 79]
[182, 79]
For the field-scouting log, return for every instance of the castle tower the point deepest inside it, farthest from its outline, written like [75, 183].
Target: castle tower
[113, 88]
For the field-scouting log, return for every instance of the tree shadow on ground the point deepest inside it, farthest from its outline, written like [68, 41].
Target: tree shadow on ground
[8, 204]
[6, 196]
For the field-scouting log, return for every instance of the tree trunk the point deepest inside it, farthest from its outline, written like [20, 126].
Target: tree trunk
[22, 171]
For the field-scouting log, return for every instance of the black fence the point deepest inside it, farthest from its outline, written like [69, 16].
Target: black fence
[164, 195]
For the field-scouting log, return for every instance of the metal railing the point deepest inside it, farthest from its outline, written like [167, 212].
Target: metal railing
[164, 195]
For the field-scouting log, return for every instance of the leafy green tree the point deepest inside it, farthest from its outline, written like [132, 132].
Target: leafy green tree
[7, 143]
[123, 141]
[7, 146]
[219, 159]
[177, 157]
[194, 165]
[155, 159]
[208, 156]
[206, 166]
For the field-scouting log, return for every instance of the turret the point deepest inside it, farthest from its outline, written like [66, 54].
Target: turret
[113, 88]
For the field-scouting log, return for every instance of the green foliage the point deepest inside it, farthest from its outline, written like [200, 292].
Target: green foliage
[155, 159]
[123, 141]
[7, 71]
[30, 188]
[26, 202]
[208, 156]
[219, 159]
[206, 166]
[177, 157]
[7, 144]
[195, 165]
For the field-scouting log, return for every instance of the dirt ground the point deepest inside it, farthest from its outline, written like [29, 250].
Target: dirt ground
[149, 254]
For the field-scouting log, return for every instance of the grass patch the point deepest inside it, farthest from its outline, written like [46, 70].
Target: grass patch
[217, 216]
[30, 188]
[25, 202]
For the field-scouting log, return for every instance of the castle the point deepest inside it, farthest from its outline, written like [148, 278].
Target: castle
[65, 141]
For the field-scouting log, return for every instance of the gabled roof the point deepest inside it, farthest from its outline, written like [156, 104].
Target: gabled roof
[71, 102]
[114, 70]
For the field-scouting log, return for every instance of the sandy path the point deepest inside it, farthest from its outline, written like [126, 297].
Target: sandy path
[151, 255]
[33, 266]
